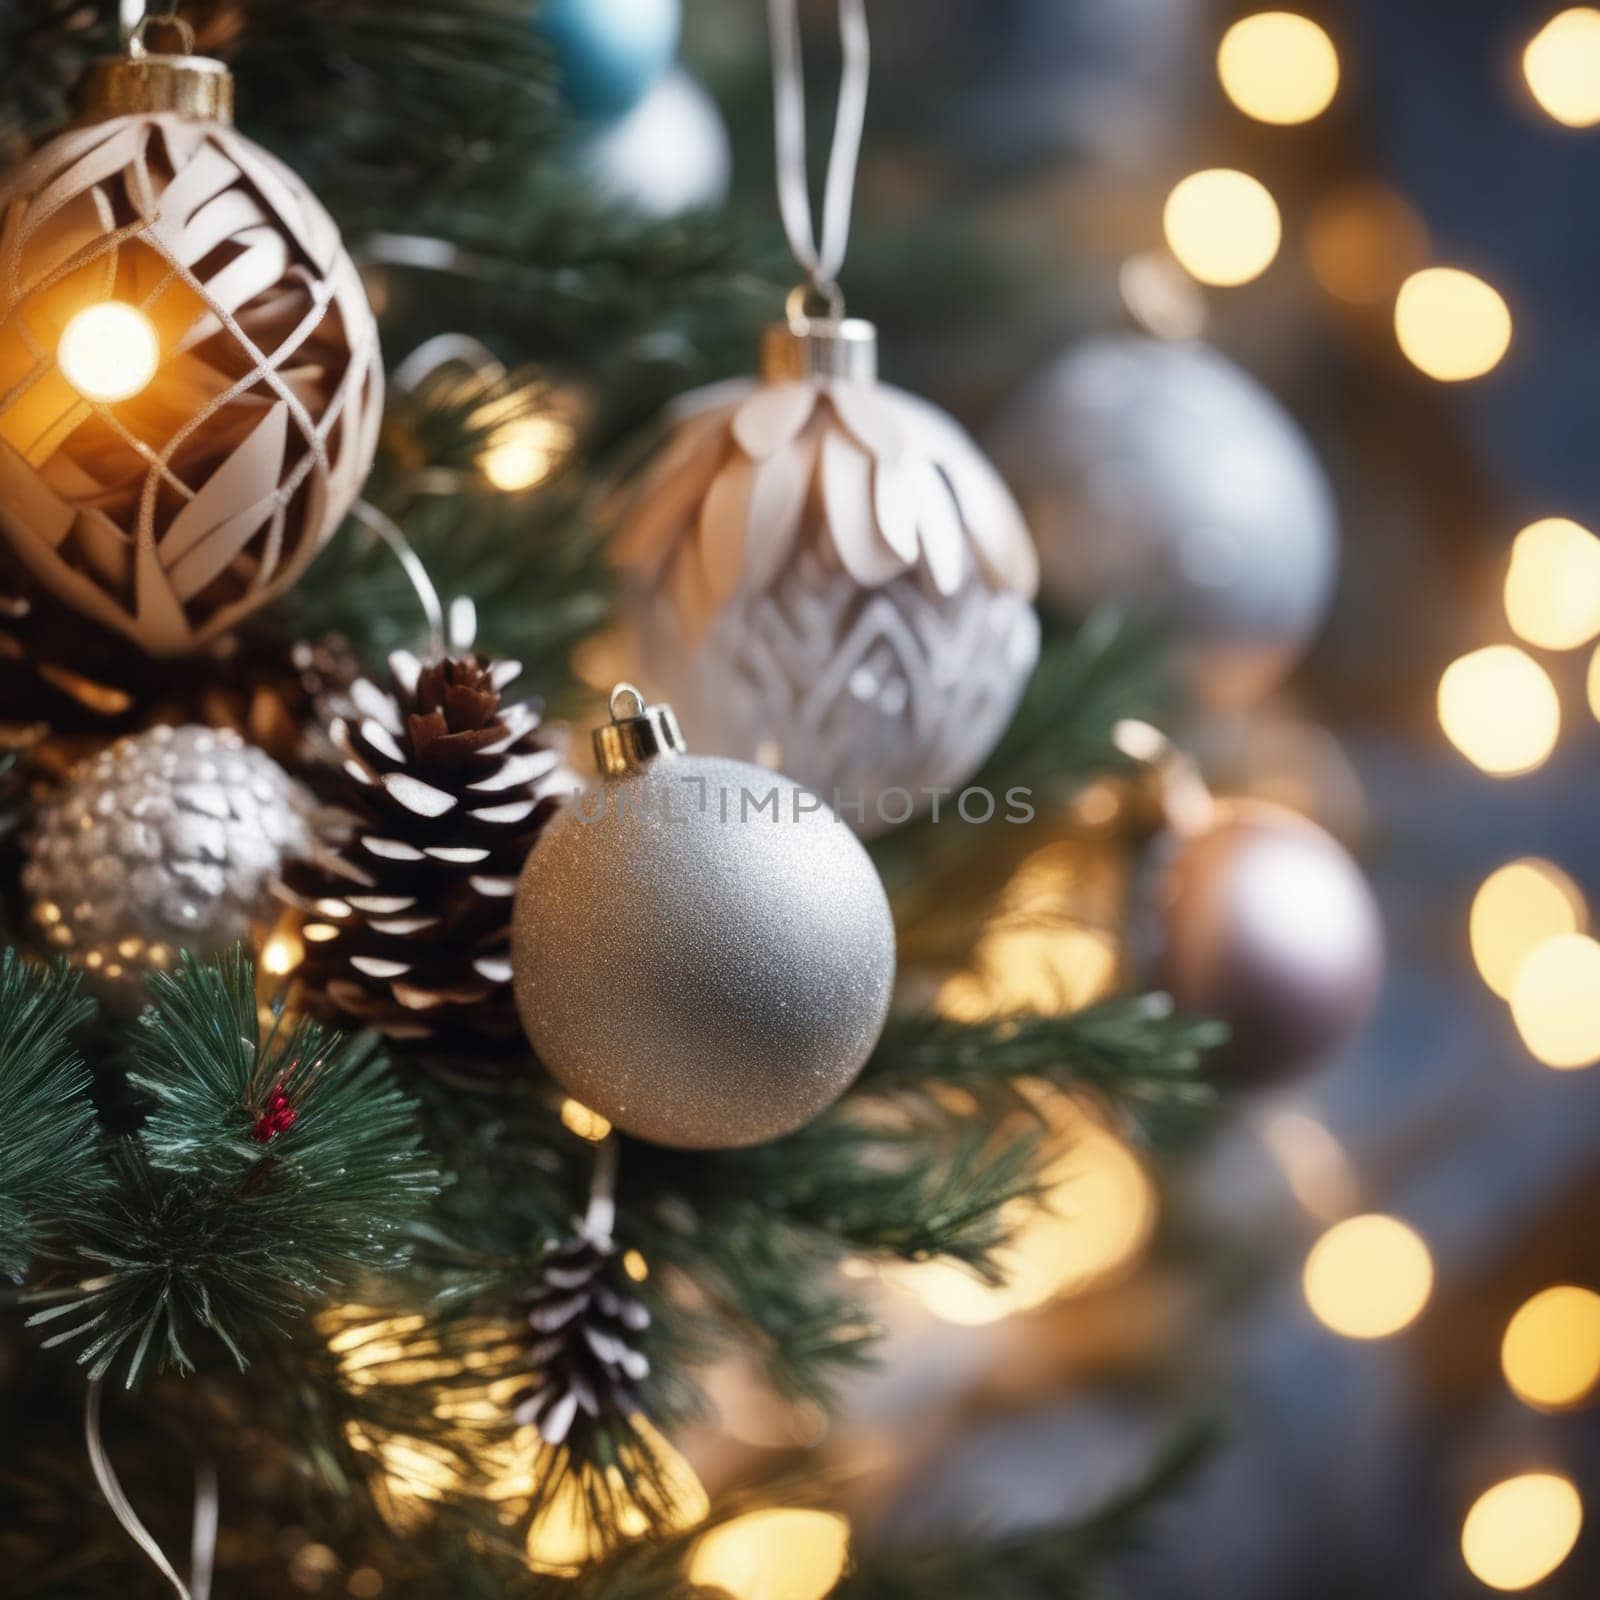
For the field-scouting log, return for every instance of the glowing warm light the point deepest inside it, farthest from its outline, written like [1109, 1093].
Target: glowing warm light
[651, 1487]
[1556, 1002]
[1223, 226]
[1521, 1530]
[281, 954]
[109, 352]
[1562, 66]
[1518, 908]
[635, 1266]
[1450, 324]
[1594, 683]
[1499, 708]
[1368, 1277]
[524, 453]
[1363, 240]
[579, 1119]
[1553, 584]
[1551, 1350]
[1278, 67]
[1097, 1214]
[773, 1555]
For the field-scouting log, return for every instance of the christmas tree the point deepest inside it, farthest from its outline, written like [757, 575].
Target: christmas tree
[567, 852]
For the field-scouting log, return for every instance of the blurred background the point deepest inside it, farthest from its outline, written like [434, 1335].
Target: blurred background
[1282, 325]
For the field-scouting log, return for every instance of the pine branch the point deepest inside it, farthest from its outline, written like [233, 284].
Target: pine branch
[51, 1163]
[1132, 1052]
[269, 1171]
[1090, 676]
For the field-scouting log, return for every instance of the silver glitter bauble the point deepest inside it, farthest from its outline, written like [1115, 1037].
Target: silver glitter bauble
[1263, 920]
[701, 951]
[1162, 477]
[828, 578]
[168, 840]
[668, 156]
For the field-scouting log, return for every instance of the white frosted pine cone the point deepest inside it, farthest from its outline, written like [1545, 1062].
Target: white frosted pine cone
[169, 840]
[830, 579]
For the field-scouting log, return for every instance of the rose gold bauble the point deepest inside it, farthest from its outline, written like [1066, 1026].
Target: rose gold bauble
[171, 514]
[1259, 918]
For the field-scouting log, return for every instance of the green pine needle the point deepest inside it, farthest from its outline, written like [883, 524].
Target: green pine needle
[269, 1171]
[50, 1157]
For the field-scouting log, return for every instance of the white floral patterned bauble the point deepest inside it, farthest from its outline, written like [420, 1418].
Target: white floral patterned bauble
[828, 578]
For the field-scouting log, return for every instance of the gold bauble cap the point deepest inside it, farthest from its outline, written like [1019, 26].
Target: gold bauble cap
[636, 733]
[139, 83]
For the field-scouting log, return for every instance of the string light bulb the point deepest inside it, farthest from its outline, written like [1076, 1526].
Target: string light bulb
[1451, 324]
[1562, 66]
[1278, 67]
[1551, 1350]
[109, 352]
[1520, 1530]
[1368, 1277]
[1552, 592]
[1516, 909]
[777, 1554]
[1498, 707]
[1556, 1002]
[1223, 226]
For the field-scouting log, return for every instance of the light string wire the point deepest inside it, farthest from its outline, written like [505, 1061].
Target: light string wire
[203, 1538]
[821, 265]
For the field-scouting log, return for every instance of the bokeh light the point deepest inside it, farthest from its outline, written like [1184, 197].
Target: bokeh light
[1551, 1350]
[1363, 241]
[1562, 66]
[1368, 1277]
[1518, 1532]
[109, 352]
[1451, 324]
[1556, 1002]
[1278, 67]
[1096, 1216]
[1518, 908]
[281, 954]
[777, 1554]
[1553, 584]
[1223, 226]
[1594, 683]
[579, 1119]
[525, 452]
[1499, 708]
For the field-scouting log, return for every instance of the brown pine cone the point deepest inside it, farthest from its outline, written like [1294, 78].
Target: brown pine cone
[446, 787]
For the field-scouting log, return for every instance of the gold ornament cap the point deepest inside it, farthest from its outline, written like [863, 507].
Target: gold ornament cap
[637, 733]
[828, 346]
[196, 88]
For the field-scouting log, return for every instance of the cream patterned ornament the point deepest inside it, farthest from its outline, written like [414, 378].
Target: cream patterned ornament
[190, 383]
[830, 579]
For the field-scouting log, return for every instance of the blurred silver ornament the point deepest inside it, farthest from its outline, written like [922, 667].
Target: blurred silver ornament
[1162, 477]
[830, 579]
[167, 840]
[667, 156]
[701, 951]
[1260, 918]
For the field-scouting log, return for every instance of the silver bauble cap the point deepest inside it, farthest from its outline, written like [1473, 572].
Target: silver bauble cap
[636, 733]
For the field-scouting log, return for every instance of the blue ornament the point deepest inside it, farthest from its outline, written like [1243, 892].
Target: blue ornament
[609, 52]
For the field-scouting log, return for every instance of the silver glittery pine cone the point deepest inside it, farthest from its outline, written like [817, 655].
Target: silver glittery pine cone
[583, 1351]
[445, 786]
[168, 840]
